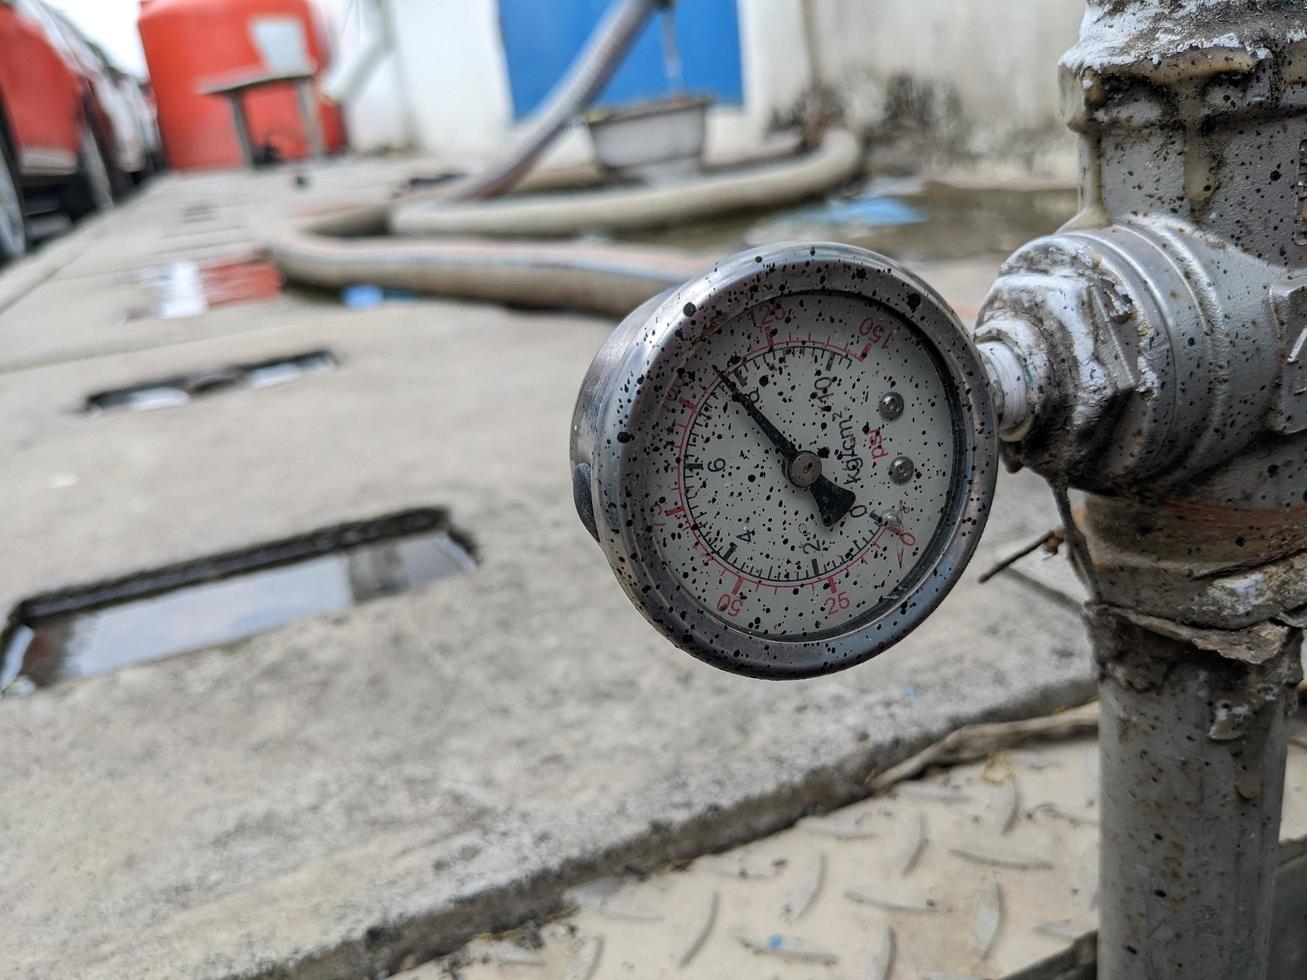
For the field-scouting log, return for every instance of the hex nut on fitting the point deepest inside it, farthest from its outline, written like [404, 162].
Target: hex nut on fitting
[1012, 378]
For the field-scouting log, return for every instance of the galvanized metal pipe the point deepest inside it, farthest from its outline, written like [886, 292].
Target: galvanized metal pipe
[1192, 747]
[588, 74]
[1153, 340]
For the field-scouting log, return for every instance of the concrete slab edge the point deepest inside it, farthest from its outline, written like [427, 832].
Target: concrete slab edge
[539, 893]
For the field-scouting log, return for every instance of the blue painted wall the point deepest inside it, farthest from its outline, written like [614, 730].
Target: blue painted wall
[541, 37]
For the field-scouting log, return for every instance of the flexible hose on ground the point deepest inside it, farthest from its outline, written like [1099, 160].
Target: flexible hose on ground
[564, 275]
[352, 246]
[622, 209]
[612, 279]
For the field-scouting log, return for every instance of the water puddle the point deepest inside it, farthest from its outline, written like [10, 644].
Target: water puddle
[226, 597]
[188, 288]
[908, 219]
[181, 389]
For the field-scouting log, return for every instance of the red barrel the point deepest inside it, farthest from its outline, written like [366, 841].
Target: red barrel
[190, 43]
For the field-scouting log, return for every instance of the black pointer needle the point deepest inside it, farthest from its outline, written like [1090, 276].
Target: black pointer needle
[833, 501]
[787, 448]
[802, 468]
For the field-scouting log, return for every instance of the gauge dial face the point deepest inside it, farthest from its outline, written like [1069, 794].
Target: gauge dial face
[802, 464]
[788, 461]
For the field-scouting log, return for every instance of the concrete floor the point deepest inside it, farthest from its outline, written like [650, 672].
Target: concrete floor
[336, 796]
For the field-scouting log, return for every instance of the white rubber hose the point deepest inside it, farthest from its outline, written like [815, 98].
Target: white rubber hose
[621, 209]
[563, 275]
[357, 245]
[337, 251]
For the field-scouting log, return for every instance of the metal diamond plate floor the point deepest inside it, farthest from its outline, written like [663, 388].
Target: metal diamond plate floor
[975, 871]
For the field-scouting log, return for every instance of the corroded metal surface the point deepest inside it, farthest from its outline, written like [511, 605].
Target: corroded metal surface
[1163, 330]
[1161, 337]
[1193, 750]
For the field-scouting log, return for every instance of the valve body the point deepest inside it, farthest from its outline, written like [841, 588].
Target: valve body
[1154, 354]
[1159, 340]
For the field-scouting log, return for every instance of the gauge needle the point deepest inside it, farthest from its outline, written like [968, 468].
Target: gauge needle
[802, 468]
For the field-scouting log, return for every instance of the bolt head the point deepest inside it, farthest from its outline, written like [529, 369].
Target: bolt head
[891, 406]
[902, 469]
[805, 470]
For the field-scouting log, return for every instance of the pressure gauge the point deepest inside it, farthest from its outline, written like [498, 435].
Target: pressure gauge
[787, 461]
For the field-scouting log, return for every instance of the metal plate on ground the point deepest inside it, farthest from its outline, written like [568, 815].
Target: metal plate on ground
[982, 870]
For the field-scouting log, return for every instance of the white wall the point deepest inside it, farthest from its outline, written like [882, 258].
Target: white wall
[999, 57]
[453, 64]
[773, 59]
[446, 90]
[375, 118]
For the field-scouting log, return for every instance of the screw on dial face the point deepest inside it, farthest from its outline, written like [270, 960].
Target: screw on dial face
[902, 470]
[787, 461]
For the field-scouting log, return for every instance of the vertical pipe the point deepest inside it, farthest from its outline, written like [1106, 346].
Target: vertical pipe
[390, 20]
[308, 101]
[1192, 747]
[242, 124]
[812, 48]
[589, 72]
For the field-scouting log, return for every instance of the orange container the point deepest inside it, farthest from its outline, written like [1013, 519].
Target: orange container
[189, 43]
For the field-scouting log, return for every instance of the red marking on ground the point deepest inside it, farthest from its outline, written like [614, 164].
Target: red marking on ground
[228, 281]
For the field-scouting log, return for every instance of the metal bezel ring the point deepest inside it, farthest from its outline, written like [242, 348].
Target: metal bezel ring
[659, 336]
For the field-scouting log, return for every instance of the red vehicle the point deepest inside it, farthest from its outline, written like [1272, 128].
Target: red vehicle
[54, 135]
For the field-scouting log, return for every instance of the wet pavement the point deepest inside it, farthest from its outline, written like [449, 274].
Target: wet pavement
[909, 219]
[335, 795]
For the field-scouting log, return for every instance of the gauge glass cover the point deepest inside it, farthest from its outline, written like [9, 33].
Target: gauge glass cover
[789, 460]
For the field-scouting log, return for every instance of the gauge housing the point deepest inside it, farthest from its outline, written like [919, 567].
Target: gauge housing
[629, 379]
